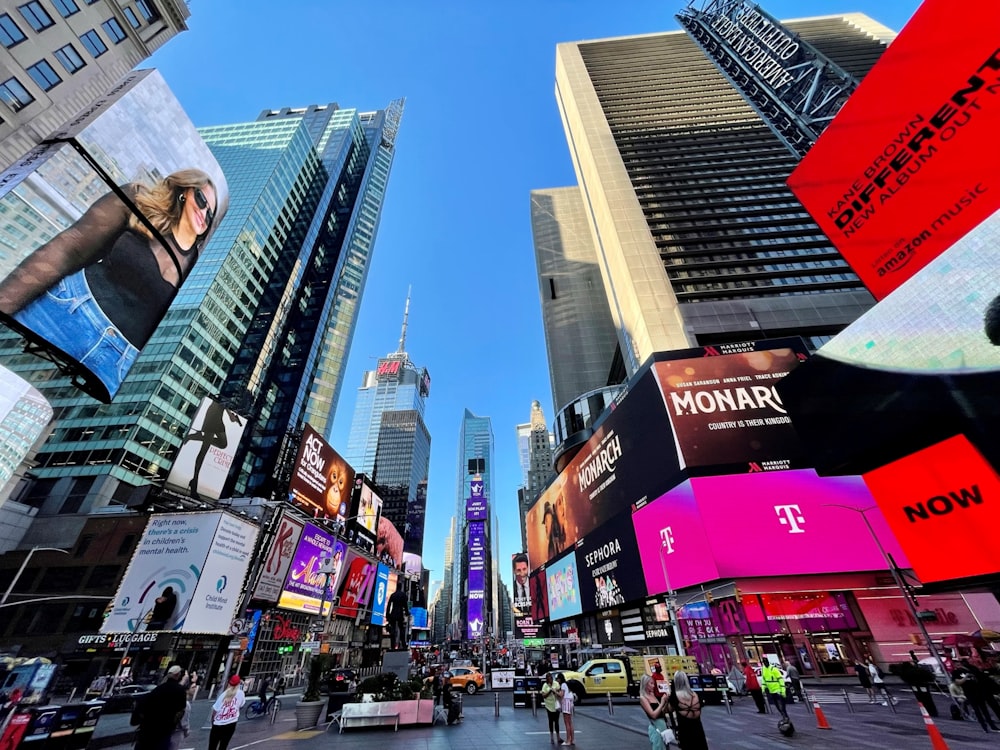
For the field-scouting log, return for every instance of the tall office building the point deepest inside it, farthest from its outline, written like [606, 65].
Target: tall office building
[682, 217]
[442, 608]
[58, 58]
[264, 322]
[535, 444]
[390, 442]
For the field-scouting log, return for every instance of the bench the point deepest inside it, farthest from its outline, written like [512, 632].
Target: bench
[367, 715]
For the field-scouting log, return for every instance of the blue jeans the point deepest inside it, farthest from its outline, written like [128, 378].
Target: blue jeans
[68, 317]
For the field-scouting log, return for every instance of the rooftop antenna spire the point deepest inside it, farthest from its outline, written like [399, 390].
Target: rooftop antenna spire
[406, 315]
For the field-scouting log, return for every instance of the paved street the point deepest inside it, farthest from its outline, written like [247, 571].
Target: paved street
[870, 727]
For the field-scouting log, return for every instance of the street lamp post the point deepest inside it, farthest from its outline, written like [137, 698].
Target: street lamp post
[897, 577]
[670, 600]
[24, 565]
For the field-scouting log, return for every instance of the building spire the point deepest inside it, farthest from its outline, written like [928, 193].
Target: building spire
[406, 315]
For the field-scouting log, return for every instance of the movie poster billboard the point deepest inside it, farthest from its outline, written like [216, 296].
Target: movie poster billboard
[630, 456]
[901, 175]
[306, 587]
[115, 208]
[475, 611]
[185, 575]
[206, 454]
[357, 584]
[322, 481]
[563, 585]
[24, 416]
[366, 510]
[609, 565]
[524, 626]
[278, 559]
[725, 410]
[381, 596]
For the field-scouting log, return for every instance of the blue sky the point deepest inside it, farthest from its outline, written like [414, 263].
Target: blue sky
[480, 131]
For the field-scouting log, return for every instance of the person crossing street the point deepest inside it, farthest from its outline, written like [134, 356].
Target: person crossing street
[774, 687]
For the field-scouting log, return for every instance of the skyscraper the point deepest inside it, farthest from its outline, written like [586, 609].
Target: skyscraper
[535, 451]
[441, 613]
[264, 323]
[389, 440]
[682, 210]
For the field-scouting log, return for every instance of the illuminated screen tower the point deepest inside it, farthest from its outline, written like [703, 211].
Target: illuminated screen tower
[682, 215]
[390, 442]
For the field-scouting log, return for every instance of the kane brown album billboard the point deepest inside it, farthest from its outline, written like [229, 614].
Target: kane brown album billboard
[910, 164]
[103, 223]
[322, 481]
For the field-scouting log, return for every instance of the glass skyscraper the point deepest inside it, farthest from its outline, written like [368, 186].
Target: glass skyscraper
[264, 322]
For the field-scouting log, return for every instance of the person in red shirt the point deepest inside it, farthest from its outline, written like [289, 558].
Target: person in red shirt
[753, 687]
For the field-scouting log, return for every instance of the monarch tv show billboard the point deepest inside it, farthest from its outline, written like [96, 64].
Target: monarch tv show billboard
[206, 454]
[322, 481]
[104, 223]
[186, 575]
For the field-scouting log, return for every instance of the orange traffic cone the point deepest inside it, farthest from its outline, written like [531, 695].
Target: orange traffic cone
[937, 741]
[821, 722]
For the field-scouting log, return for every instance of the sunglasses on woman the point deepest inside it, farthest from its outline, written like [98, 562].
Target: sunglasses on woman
[202, 202]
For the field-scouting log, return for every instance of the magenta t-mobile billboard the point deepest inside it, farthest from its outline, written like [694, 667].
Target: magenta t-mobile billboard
[732, 526]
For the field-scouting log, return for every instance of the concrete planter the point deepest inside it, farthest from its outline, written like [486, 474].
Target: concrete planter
[307, 713]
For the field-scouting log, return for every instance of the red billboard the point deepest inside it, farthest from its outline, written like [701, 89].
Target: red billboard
[322, 481]
[948, 494]
[909, 165]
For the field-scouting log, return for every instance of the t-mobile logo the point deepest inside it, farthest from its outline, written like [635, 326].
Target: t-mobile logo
[790, 516]
[667, 539]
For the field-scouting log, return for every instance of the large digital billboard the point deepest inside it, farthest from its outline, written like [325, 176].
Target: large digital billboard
[539, 597]
[206, 454]
[186, 575]
[103, 224]
[357, 585]
[521, 603]
[609, 565]
[949, 493]
[903, 172]
[389, 543]
[475, 503]
[322, 481]
[381, 597]
[724, 408]
[630, 457]
[24, 415]
[563, 585]
[699, 531]
[366, 510]
[475, 610]
[278, 559]
[306, 585]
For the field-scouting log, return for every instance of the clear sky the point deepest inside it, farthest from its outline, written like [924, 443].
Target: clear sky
[480, 131]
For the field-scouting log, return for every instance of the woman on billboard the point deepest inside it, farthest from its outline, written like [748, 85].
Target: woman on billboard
[97, 290]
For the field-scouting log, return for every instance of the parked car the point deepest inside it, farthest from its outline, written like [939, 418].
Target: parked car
[123, 699]
[468, 679]
[338, 680]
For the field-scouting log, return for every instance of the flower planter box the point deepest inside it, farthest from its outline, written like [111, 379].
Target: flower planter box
[397, 713]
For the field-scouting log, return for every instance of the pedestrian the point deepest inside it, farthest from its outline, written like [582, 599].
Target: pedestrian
[551, 695]
[974, 697]
[225, 714]
[183, 728]
[192, 686]
[160, 711]
[687, 708]
[796, 680]
[985, 683]
[774, 686]
[566, 701]
[753, 687]
[655, 704]
[866, 681]
[878, 682]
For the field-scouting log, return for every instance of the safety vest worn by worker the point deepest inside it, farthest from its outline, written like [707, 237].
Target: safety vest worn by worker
[773, 681]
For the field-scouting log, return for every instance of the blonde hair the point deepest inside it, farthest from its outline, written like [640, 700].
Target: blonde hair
[161, 203]
[230, 693]
[682, 685]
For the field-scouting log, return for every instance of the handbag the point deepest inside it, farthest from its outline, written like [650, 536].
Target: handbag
[668, 736]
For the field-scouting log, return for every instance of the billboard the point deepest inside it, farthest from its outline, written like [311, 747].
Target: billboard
[901, 174]
[475, 503]
[381, 596]
[185, 575]
[416, 514]
[305, 586]
[563, 586]
[322, 481]
[389, 543]
[949, 493]
[609, 565]
[278, 559]
[700, 531]
[539, 596]
[104, 223]
[629, 457]
[357, 584]
[521, 604]
[475, 611]
[366, 510]
[206, 454]
[24, 415]
[725, 411]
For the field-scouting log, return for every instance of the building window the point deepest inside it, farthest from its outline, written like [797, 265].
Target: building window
[93, 43]
[114, 30]
[66, 8]
[10, 32]
[35, 15]
[133, 19]
[69, 58]
[148, 10]
[43, 74]
[15, 95]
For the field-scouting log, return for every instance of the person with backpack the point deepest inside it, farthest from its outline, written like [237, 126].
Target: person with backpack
[878, 682]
